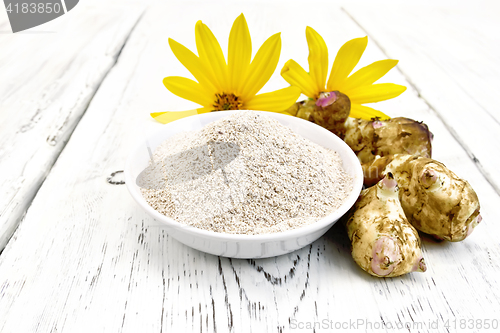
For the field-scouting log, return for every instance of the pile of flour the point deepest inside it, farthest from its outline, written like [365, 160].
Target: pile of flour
[244, 174]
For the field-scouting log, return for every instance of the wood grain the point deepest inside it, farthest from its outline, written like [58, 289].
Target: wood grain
[48, 80]
[87, 259]
[452, 61]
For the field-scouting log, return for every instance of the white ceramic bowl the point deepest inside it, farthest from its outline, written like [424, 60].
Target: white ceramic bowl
[245, 246]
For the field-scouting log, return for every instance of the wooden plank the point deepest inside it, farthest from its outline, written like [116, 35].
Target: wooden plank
[48, 78]
[86, 258]
[452, 61]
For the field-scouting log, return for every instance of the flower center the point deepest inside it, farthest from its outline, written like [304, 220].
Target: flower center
[227, 102]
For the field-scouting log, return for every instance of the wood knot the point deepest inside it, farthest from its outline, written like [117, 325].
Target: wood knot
[116, 178]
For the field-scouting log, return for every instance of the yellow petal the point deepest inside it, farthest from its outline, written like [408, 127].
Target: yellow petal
[276, 101]
[375, 93]
[193, 64]
[262, 67]
[169, 116]
[239, 54]
[298, 77]
[369, 74]
[365, 112]
[211, 54]
[347, 58]
[318, 58]
[188, 89]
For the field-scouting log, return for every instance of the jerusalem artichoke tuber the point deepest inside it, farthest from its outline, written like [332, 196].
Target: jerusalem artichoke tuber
[367, 138]
[330, 111]
[372, 138]
[383, 242]
[434, 199]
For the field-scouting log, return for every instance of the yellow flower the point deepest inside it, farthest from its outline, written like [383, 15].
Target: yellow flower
[231, 86]
[358, 87]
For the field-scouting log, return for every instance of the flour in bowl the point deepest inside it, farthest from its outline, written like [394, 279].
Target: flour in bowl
[244, 174]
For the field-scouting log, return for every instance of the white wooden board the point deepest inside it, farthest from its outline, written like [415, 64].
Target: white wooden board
[49, 75]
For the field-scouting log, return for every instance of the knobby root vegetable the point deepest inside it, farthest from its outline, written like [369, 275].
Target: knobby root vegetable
[383, 243]
[370, 139]
[435, 200]
[330, 111]
[367, 138]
